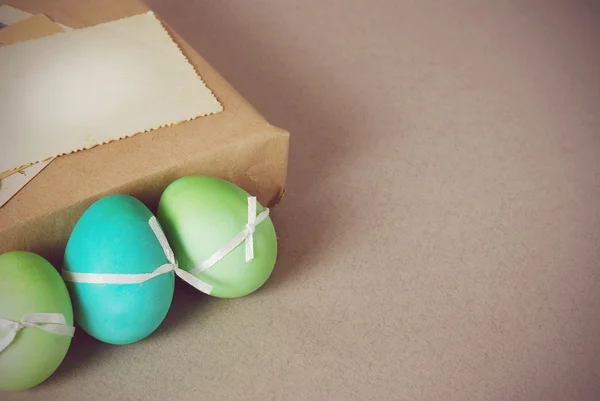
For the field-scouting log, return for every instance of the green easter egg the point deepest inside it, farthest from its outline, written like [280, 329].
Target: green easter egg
[30, 284]
[200, 215]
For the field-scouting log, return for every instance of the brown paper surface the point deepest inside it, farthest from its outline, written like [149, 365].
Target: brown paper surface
[31, 28]
[236, 144]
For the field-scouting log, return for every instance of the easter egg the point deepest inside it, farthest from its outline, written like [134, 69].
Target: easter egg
[30, 284]
[113, 236]
[201, 215]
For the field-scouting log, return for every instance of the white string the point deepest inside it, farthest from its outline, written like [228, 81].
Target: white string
[247, 235]
[182, 274]
[53, 323]
[125, 278]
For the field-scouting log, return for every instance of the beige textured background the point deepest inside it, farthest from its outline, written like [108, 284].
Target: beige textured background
[440, 237]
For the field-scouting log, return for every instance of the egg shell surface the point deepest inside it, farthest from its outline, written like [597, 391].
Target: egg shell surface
[30, 284]
[114, 236]
[202, 214]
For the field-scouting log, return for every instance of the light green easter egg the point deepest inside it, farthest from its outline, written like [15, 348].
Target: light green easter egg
[30, 284]
[200, 215]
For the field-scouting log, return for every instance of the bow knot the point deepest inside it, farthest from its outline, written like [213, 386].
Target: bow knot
[246, 236]
[250, 229]
[53, 323]
[22, 325]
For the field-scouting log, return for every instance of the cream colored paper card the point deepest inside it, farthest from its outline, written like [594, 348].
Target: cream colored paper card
[90, 86]
[10, 15]
[31, 28]
[9, 186]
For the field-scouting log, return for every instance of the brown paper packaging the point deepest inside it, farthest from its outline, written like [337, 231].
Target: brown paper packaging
[236, 144]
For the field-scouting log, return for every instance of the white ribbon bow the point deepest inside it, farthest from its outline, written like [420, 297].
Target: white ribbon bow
[53, 323]
[246, 235]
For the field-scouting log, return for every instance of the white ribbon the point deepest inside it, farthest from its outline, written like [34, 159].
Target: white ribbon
[172, 266]
[53, 323]
[246, 235]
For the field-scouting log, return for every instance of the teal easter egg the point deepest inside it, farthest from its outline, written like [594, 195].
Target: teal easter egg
[201, 215]
[30, 284]
[113, 236]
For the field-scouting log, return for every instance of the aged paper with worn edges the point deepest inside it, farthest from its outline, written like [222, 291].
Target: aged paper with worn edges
[30, 28]
[90, 86]
[9, 186]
